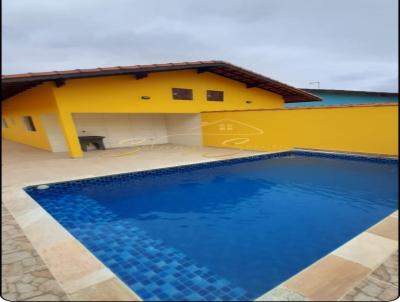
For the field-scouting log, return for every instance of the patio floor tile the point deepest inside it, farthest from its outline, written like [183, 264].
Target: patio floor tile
[388, 271]
[109, 290]
[388, 228]
[367, 249]
[371, 289]
[328, 279]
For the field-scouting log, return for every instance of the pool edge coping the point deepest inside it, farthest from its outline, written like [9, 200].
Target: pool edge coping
[27, 212]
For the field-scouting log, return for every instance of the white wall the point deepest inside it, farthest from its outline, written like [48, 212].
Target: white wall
[54, 132]
[144, 129]
[184, 129]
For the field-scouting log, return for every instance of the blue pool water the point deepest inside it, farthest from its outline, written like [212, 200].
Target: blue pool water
[230, 230]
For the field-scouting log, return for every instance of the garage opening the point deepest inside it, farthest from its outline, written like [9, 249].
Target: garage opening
[126, 130]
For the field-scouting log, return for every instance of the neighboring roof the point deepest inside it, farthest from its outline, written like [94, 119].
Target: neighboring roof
[351, 92]
[16, 83]
[386, 104]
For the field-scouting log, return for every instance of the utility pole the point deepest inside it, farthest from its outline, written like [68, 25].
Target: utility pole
[317, 82]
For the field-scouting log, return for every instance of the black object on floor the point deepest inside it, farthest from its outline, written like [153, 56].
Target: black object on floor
[97, 141]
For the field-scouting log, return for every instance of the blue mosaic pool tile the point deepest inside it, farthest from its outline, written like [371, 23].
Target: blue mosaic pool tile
[153, 270]
[376, 159]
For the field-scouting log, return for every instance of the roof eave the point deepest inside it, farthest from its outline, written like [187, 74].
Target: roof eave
[290, 93]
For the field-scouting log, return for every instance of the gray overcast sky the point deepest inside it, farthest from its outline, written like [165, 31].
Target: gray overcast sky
[344, 44]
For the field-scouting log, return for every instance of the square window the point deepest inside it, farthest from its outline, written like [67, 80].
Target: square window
[216, 96]
[4, 122]
[29, 125]
[182, 94]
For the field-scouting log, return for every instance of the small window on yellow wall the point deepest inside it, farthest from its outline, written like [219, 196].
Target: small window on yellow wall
[182, 94]
[214, 95]
[4, 123]
[29, 125]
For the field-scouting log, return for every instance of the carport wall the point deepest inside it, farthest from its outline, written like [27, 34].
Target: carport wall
[40, 104]
[33, 103]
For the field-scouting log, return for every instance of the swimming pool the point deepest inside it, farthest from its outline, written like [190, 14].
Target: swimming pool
[228, 230]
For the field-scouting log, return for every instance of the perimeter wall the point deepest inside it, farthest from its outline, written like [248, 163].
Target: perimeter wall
[353, 128]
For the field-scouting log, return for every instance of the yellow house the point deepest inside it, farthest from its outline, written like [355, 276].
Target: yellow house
[145, 103]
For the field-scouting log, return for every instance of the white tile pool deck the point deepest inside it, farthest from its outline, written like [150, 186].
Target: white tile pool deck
[344, 274]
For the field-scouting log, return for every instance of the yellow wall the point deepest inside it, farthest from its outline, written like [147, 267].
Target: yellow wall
[366, 129]
[32, 102]
[123, 94]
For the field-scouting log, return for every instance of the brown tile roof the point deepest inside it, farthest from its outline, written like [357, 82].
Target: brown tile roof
[15, 83]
